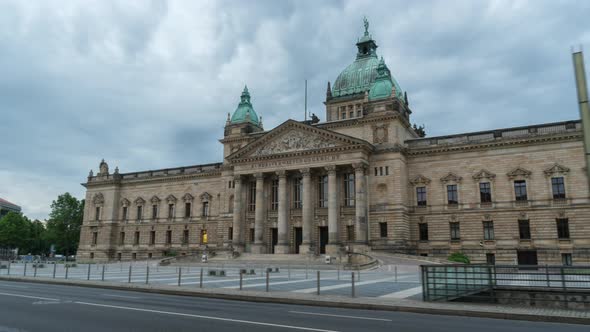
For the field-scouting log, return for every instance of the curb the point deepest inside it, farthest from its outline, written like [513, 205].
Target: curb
[446, 309]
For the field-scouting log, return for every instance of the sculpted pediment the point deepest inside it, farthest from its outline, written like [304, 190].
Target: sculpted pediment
[294, 137]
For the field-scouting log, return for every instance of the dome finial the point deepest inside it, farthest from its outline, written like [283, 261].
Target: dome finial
[366, 24]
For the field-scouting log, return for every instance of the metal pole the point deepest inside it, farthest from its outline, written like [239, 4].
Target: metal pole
[338, 271]
[582, 89]
[359, 272]
[35, 273]
[563, 285]
[352, 280]
[67, 269]
[8, 272]
[129, 280]
[88, 276]
[395, 272]
[147, 275]
[201, 279]
[306, 265]
[289, 271]
[240, 279]
[547, 275]
[179, 275]
[102, 273]
[25, 271]
[318, 293]
[54, 268]
[267, 280]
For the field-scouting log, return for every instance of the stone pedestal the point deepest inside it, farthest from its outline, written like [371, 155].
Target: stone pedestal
[258, 249]
[333, 250]
[305, 249]
[281, 249]
[360, 248]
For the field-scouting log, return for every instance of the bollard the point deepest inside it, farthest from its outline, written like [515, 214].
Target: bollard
[201, 279]
[352, 279]
[240, 279]
[129, 280]
[67, 269]
[318, 293]
[289, 271]
[25, 271]
[179, 275]
[35, 271]
[54, 268]
[88, 276]
[102, 273]
[395, 272]
[147, 275]
[267, 279]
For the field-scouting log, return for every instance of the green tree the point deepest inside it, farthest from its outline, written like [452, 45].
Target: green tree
[38, 238]
[15, 232]
[459, 257]
[63, 226]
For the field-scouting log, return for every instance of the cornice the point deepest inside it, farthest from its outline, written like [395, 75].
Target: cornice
[337, 149]
[165, 178]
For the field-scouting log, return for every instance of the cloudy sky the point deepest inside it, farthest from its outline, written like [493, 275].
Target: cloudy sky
[148, 84]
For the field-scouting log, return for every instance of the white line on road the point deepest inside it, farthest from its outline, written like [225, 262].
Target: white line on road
[346, 285]
[29, 297]
[404, 294]
[121, 296]
[13, 286]
[205, 317]
[342, 316]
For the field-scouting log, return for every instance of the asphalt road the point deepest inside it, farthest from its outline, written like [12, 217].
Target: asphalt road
[40, 307]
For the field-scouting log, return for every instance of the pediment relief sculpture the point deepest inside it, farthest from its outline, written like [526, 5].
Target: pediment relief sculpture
[98, 199]
[420, 179]
[187, 197]
[294, 140]
[125, 202]
[451, 177]
[139, 201]
[171, 199]
[155, 200]
[519, 172]
[484, 174]
[556, 169]
[380, 133]
[205, 197]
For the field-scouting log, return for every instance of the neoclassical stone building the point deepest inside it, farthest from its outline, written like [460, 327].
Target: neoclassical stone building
[362, 180]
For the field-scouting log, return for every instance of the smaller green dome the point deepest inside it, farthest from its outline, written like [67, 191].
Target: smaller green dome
[384, 84]
[245, 112]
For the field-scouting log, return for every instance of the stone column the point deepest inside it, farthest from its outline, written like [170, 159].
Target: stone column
[333, 212]
[258, 246]
[307, 212]
[282, 246]
[238, 239]
[361, 222]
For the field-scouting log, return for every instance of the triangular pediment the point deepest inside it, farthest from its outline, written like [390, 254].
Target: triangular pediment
[556, 169]
[484, 174]
[420, 179]
[451, 177]
[295, 137]
[519, 172]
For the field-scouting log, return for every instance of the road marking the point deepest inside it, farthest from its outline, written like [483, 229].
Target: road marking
[214, 281]
[342, 316]
[121, 296]
[404, 294]
[346, 285]
[271, 283]
[29, 297]
[206, 317]
[13, 286]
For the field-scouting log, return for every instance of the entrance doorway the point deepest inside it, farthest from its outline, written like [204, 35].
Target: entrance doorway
[274, 239]
[527, 257]
[323, 238]
[298, 238]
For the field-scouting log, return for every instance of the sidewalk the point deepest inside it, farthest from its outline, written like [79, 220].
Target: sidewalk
[387, 304]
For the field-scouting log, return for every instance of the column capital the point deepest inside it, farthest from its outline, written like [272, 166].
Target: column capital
[281, 173]
[331, 169]
[359, 167]
[237, 178]
[305, 171]
[259, 176]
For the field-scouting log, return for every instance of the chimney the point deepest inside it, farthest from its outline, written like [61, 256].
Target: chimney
[582, 88]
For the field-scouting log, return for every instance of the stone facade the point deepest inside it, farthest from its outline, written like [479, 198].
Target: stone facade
[362, 180]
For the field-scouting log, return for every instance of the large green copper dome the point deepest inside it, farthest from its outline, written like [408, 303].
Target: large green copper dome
[245, 111]
[384, 84]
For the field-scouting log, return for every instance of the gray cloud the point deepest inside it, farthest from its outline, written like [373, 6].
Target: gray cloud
[148, 84]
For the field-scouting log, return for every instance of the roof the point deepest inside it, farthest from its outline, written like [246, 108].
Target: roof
[9, 205]
[245, 112]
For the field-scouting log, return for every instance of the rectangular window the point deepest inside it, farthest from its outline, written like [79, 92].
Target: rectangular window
[351, 114]
[136, 239]
[187, 209]
[323, 190]
[168, 237]
[423, 232]
[251, 235]
[230, 233]
[381, 170]
[488, 230]
[421, 196]
[185, 236]
[452, 197]
[520, 190]
[485, 192]
[139, 212]
[566, 259]
[205, 209]
[134, 256]
[274, 197]
[152, 237]
[122, 238]
[491, 259]
[386, 170]
[170, 211]
[343, 115]
[358, 113]
[350, 232]
[94, 238]
[97, 213]
[297, 192]
[252, 196]
[124, 213]
[154, 211]
[524, 229]
[383, 229]
[376, 171]
[558, 186]
[563, 229]
[349, 189]
[455, 231]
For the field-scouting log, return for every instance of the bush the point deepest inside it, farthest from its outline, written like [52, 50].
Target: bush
[459, 257]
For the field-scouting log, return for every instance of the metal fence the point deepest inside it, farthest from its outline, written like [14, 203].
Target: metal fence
[561, 286]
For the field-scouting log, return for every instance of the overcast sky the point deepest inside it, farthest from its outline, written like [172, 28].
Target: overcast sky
[148, 84]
